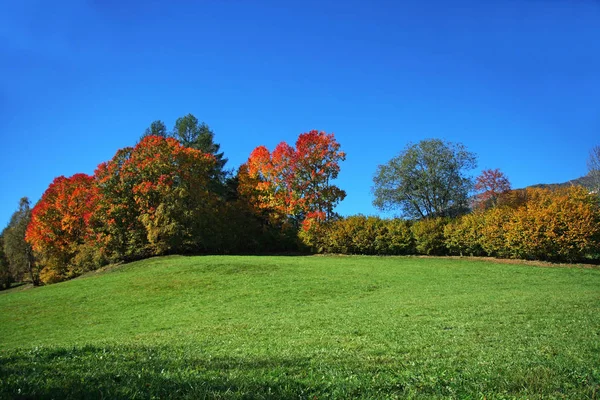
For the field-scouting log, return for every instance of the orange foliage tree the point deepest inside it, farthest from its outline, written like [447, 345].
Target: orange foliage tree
[156, 200]
[296, 182]
[60, 224]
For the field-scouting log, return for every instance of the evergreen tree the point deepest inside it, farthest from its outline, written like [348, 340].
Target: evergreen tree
[156, 128]
[193, 134]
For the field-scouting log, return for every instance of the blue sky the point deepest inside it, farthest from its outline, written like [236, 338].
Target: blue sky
[517, 82]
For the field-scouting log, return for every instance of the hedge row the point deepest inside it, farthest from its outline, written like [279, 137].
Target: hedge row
[559, 225]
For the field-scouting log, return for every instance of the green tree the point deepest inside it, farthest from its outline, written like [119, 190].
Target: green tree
[18, 252]
[190, 133]
[156, 128]
[5, 274]
[427, 179]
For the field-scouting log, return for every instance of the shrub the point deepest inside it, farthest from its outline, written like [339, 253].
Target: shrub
[559, 225]
[313, 235]
[89, 257]
[397, 238]
[337, 237]
[366, 235]
[50, 274]
[493, 231]
[359, 234]
[353, 235]
[429, 236]
[463, 235]
[543, 224]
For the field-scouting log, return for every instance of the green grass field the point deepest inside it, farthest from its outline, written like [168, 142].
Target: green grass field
[306, 327]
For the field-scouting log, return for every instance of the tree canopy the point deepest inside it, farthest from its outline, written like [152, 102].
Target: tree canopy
[427, 179]
[17, 251]
[60, 224]
[156, 128]
[154, 198]
[492, 183]
[297, 181]
[193, 134]
[170, 194]
[6, 277]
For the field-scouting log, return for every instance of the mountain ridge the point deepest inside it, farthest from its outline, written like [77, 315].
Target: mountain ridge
[586, 181]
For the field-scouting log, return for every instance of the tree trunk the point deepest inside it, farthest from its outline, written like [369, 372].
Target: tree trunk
[30, 262]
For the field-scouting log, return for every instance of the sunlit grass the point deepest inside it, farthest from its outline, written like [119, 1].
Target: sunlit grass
[325, 327]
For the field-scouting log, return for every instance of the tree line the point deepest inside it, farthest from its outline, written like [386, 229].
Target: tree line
[428, 183]
[172, 193]
[560, 225]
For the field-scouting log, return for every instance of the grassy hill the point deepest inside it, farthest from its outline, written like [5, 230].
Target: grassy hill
[308, 327]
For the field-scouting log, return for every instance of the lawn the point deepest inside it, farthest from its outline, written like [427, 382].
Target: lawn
[306, 327]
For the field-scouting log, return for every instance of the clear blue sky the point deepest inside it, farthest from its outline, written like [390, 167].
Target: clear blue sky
[518, 82]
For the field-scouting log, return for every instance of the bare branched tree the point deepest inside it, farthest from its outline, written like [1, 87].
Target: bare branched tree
[594, 167]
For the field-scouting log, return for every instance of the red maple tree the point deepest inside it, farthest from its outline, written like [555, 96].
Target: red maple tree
[296, 181]
[492, 183]
[60, 222]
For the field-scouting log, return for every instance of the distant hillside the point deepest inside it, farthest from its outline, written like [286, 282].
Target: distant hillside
[585, 181]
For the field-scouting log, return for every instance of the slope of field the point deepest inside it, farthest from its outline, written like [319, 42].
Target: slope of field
[308, 327]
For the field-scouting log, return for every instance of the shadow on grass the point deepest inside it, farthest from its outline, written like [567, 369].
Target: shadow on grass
[145, 372]
[128, 372]
[15, 287]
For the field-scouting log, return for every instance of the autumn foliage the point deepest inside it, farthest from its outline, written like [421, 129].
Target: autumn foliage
[541, 224]
[491, 184]
[533, 224]
[295, 182]
[557, 225]
[360, 234]
[161, 197]
[60, 224]
[155, 199]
